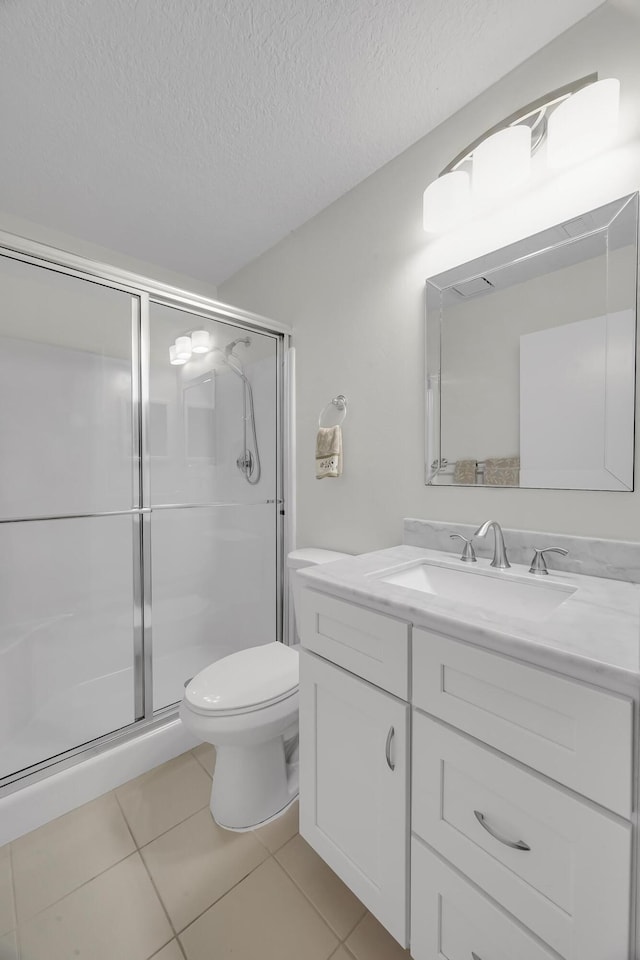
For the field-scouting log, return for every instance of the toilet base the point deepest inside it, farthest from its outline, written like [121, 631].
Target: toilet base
[253, 784]
[264, 823]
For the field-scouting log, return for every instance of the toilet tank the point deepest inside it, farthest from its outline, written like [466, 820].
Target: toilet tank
[307, 557]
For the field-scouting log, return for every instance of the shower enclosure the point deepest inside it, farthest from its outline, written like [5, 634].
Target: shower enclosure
[141, 501]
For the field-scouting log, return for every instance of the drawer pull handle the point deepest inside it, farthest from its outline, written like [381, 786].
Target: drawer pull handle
[387, 749]
[515, 844]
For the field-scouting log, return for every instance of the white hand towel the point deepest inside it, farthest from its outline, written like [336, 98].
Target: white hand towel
[328, 452]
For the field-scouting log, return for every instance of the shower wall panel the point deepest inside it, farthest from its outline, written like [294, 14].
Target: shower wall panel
[213, 534]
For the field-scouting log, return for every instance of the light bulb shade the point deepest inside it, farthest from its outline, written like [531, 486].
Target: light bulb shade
[502, 162]
[446, 201]
[584, 124]
[173, 356]
[183, 348]
[200, 341]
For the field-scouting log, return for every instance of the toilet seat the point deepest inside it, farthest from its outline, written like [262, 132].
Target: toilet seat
[252, 708]
[245, 681]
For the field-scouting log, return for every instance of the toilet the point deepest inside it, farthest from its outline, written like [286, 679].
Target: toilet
[246, 704]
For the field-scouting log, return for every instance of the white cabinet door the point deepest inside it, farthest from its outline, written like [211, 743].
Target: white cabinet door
[354, 778]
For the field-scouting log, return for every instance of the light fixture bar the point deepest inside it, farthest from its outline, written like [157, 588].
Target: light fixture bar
[524, 113]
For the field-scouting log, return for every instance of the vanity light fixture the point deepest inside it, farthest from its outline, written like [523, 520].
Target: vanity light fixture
[578, 120]
[447, 201]
[174, 358]
[183, 348]
[200, 341]
[583, 124]
[501, 162]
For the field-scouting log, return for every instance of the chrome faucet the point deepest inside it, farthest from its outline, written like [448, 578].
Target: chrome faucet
[500, 551]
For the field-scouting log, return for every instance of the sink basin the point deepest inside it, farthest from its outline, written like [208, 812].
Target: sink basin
[500, 591]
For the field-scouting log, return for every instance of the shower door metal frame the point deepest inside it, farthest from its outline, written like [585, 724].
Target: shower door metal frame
[143, 291]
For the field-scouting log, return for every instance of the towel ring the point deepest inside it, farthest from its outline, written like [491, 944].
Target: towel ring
[340, 402]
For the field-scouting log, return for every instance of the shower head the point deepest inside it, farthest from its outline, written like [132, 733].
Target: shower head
[230, 347]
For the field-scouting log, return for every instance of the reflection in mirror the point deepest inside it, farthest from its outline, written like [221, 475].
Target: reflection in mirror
[531, 358]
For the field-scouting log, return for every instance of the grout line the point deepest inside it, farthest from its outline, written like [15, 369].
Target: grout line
[173, 826]
[141, 846]
[20, 921]
[68, 893]
[265, 826]
[198, 760]
[222, 896]
[181, 948]
[356, 924]
[307, 897]
[164, 946]
[342, 946]
[124, 817]
[157, 893]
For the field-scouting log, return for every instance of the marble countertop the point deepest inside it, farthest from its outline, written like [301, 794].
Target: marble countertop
[594, 635]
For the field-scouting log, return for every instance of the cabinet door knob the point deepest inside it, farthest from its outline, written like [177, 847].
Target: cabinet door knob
[390, 736]
[515, 844]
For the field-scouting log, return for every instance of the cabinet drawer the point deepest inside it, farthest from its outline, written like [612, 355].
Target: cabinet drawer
[569, 731]
[572, 887]
[451, 920]
[371, 645]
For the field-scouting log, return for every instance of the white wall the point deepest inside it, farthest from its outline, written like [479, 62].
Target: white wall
[21, 227]
[351, 282]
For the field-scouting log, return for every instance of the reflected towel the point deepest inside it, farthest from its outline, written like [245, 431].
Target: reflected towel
[502, 471]
[328, 452]
[465, 471]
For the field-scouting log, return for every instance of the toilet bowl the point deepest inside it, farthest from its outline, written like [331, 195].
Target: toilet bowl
[246, 704]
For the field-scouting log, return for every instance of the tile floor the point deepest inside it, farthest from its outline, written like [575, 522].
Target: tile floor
[144, 872]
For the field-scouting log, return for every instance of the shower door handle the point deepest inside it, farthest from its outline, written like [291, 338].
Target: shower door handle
[390, 736]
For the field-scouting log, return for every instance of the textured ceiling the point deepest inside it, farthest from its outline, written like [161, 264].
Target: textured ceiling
[196, 133]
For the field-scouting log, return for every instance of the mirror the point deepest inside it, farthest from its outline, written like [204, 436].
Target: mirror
[531, 359]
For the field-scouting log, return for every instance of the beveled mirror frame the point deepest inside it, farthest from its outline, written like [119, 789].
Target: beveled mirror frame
[594, 223]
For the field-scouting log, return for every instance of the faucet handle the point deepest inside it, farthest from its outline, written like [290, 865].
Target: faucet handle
[539, 564]
[468, 554]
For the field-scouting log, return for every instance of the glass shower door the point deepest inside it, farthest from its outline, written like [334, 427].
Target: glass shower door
[213, 491]
[68, 521]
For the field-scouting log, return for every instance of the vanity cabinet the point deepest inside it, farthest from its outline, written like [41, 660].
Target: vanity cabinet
[354, 785]
[520, 820]
[536, 849]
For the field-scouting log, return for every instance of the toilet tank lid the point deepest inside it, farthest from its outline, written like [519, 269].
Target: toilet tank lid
[308, 556]
[258, 675]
